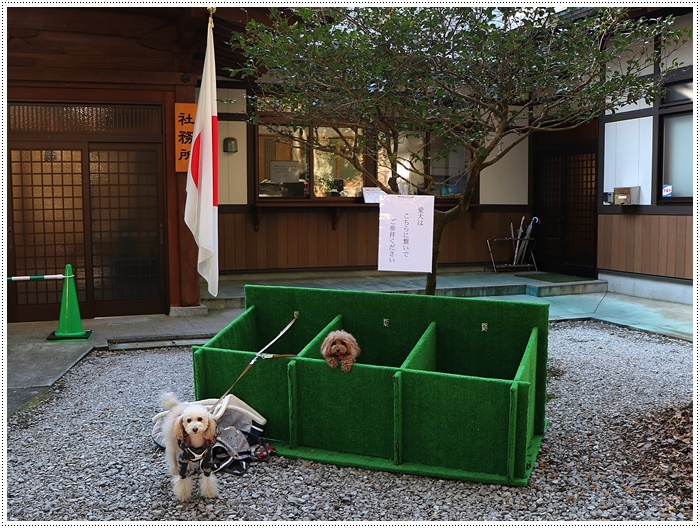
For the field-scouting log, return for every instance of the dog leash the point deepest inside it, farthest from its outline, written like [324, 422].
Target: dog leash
[259, 355]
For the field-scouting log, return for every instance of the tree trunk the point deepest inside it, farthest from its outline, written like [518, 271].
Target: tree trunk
[441, 219]
[439, 223]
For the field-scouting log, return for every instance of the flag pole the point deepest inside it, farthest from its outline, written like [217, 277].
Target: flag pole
[202, 203]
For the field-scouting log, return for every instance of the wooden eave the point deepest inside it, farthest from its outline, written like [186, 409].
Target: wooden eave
[139, 45]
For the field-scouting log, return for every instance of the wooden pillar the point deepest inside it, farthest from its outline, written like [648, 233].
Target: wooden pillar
[182, 257]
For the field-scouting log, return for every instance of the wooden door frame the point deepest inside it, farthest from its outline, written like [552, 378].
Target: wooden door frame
[89, 307]
[161, 306]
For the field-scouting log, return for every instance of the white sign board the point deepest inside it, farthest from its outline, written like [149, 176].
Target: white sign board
[284, 171]
[372, 194]
[406, 233]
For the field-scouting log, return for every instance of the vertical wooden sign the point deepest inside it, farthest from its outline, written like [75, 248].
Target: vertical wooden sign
[184, 128]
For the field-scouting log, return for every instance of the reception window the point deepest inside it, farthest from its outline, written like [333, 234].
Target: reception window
[287, 169]
[444, 168]
[406, 164]
[334, 175]
[283, 167]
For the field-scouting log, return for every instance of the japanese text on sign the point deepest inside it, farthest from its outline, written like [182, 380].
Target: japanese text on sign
[406, 233]
[184, 129]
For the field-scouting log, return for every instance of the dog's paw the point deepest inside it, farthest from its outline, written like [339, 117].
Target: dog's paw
[209, 486]
[346, 365]
[182, 487]
[332, 361]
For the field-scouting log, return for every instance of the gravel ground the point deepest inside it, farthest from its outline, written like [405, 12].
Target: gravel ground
[85, 452]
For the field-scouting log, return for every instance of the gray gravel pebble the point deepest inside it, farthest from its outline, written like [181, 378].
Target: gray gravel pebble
[85, 452]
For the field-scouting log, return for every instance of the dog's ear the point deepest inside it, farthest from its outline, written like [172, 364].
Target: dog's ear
[178, 430]
[326, 345]
[210, 432]
[352, 346]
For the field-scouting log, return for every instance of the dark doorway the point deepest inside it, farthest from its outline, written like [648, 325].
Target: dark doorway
[126, 230]
[565, 200]
[97, 206]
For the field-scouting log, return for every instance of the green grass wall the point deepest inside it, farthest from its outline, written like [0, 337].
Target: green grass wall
[444, 386]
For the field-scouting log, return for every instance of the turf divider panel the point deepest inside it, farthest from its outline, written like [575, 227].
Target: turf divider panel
[334, 410]
[312, 351]
[444, 386]
[265, 383]
[523, 422]
[222, 359]
[337, 412]
[424, 354]
[455, 426]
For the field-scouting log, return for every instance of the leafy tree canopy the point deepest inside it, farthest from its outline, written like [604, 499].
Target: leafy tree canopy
[466, 77]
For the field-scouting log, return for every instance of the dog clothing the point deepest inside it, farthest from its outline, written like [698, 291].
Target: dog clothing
[195, 454]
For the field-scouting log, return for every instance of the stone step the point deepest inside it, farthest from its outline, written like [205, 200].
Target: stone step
[544, 289]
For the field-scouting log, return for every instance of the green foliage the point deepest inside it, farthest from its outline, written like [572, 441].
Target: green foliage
[468, 76]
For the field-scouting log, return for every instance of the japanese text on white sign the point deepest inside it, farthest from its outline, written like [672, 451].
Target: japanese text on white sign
[406, 233]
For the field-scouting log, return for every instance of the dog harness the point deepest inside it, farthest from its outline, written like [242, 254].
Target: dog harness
[195, 454]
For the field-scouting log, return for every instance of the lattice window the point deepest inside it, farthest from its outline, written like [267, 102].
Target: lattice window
[580, 204]
[81, 118]
[47, 209]
[125, 223]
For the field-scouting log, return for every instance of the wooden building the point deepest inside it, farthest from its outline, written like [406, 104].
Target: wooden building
[93, 99]
[645, 241]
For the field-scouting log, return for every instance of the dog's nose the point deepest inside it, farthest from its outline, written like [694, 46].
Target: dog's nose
[194, 430]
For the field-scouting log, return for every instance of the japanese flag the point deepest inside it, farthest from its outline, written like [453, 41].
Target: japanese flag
[202, 205]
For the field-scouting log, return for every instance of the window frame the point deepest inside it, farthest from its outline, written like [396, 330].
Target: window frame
[663, 111]
[657, 111]
[311, 182]
[369, 164]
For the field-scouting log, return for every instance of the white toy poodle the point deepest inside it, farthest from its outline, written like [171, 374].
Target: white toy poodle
[190, 431]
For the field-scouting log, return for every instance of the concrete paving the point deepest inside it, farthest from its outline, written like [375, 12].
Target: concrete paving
[34, 364]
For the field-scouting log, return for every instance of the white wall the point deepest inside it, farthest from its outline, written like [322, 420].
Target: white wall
[231, 101]
[233, 167]
[628, 148]
[620, 65]
[685, 53]
[506, 182]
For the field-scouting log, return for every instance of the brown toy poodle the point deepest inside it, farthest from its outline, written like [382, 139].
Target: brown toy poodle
[340, 347]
